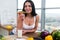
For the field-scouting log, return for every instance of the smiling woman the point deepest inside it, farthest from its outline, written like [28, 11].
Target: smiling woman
[37, 9]
[30, 20]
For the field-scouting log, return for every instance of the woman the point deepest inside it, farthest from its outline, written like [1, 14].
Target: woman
[29, 20]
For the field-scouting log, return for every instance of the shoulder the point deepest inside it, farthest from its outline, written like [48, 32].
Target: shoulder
[37, 16]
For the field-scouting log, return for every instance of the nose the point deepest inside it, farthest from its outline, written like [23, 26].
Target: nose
[27, 7]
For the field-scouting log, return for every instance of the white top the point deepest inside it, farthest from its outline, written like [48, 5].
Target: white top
[26, 26]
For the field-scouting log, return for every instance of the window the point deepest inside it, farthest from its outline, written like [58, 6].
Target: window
[52, 3]
[52, 18]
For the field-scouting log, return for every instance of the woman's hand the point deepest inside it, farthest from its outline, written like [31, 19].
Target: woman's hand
[20, 19]
[24, 32]
[21, 16]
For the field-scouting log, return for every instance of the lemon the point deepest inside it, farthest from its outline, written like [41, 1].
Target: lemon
[30, 38]
[49, 37]
[9, 27]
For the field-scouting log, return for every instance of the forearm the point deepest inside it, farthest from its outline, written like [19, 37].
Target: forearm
[33, 30]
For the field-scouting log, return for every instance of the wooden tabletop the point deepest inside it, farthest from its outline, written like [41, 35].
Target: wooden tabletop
[13, 37]
[3, 27]
[31, 34]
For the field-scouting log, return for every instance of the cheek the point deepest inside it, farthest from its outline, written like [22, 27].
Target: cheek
[25, 9]
[31, 9]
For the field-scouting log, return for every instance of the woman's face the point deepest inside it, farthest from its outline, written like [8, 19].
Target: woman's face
[28, 7]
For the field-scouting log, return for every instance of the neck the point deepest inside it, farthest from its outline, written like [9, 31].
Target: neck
[29, 15]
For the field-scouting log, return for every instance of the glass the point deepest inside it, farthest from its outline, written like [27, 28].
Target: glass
[19, 34]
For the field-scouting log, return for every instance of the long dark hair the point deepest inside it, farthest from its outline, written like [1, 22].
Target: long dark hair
[33, 13]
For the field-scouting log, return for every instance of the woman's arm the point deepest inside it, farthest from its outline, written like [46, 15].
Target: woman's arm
[20, 18]
[36, 25]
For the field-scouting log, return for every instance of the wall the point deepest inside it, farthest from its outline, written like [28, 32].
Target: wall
[8, 15]
[8, 9]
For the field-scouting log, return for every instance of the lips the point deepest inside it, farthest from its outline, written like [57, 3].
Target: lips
[28, 11]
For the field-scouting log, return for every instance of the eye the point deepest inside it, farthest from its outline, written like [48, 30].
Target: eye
[29, 5]
[25, 6]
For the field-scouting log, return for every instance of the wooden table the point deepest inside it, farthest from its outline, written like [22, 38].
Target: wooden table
[3, 27]
[32, 34]
[13, 37]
